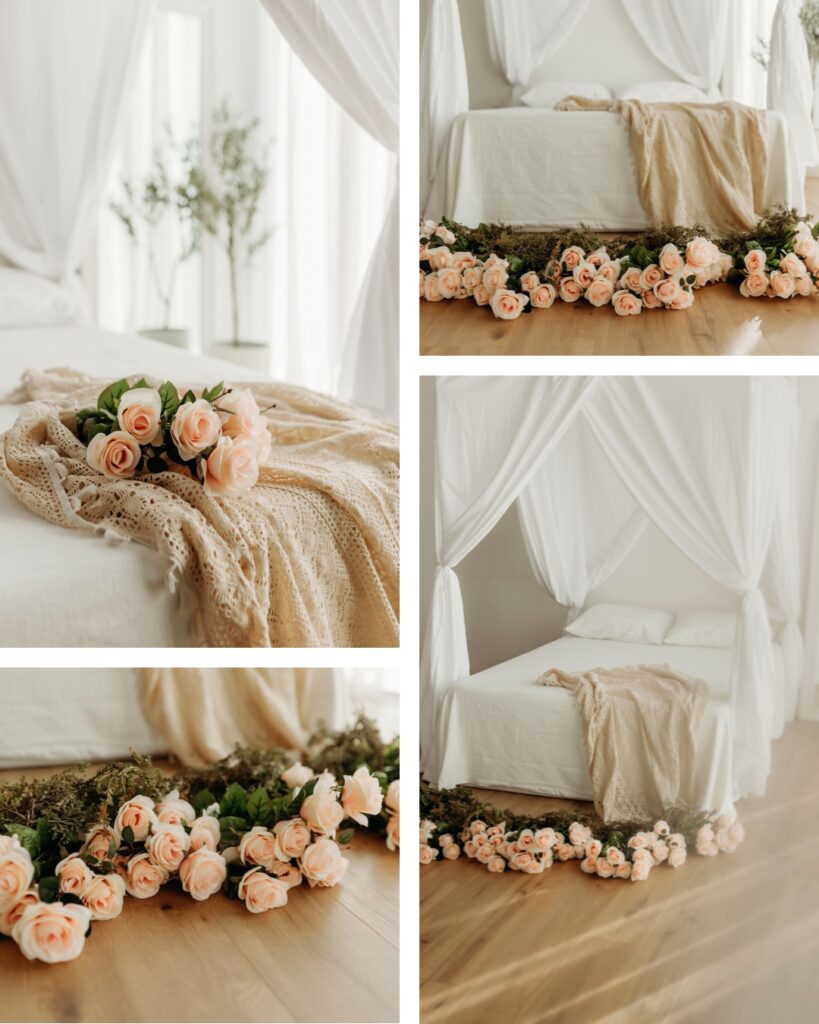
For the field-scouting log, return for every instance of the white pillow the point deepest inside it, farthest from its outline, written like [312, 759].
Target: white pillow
[622, 622]
[703, 629]
[27, 300]
[547, 93]
[662, 92]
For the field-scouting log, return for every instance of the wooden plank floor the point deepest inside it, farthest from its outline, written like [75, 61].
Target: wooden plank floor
[329, 955]
[735, 939]
[720, 322]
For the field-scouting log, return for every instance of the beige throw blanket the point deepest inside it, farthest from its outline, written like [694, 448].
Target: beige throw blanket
[696, 163]
[202, 713]
[308, 558]
[640, 725]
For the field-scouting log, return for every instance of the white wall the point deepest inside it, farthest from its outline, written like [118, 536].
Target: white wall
[508, 613]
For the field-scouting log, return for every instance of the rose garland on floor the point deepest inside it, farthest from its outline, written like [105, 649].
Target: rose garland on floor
[515, 272]
[218, 437]
[499, 839]
[255, 824]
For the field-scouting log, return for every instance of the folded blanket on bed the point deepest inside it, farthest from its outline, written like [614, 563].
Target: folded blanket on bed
[640, 725]
[202, 713]
[307, 558]
[696, 163]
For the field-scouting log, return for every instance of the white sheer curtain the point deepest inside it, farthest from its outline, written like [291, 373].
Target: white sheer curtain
[706, 469]
[689, 36]
[492, 433]
[744, 79]
[351, 47]
[526, 33]
[443, 85]
[791, 85]
[65, 70]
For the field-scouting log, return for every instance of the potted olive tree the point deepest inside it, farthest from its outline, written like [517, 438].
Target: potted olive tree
[225, 195]
[146, 209]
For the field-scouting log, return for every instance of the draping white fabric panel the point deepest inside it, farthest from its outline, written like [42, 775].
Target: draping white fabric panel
[492, 434]
[689, 36]
[351, 47]
[444, 86]
[64, 76]
[574, 540]
[526, 33]
[701, 456]
[790, 79]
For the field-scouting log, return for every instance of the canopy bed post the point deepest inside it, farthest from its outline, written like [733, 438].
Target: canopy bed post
[809, 690]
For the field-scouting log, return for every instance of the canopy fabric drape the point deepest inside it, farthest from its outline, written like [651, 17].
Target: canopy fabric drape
[591, 462]
[689, 36]
[790, 79]
[492, 435]
[351, 47]
[65, 70]
[444, 88]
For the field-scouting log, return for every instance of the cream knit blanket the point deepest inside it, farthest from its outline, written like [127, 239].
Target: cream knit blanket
[308, 558]
[640, 727]
[696, 163]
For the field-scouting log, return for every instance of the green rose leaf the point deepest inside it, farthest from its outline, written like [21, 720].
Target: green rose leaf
[258, 804]
[234, 802]
[29, 839]
[156, 464]
[204, 798]
[108, 401]
[170, 399]
[209, 394]
[346, 836]
[128, 836]
[232, 828]
[49, 889]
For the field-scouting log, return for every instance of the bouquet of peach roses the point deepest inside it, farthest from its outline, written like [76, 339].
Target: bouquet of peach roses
[218, 437]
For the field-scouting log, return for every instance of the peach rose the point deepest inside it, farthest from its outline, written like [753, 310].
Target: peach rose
[791, 264]
[115, 455]
[570, 290]
[287, 873]
[426, 830]
[594, 848]
[205, 833]
[167, 845]
[52, 932]
[495, 261]
[534, 867]
[143, 878]
[14, 911]
[507, 305]
[470, 849]
[439, 257]
[450, 282]
[427, 854]
[667, 291]
[545, 839]
[599, 292]
[615, 857]
[98, 842]
[705, 842]
[812, 260]
[242, 420]
[543, 296]
[650, 300]
[432, 288]
[202, 873]
[677, 856]
[584, 273]
[565, 852]
[571, 257]
[755, 285]
[173, 811]
[650, 276]
[195, 427]
[322, 812]
[16, 874]
[452, 852]
[589, 865]
[231, 468]
[496, 865]
[104, 896]
[526, 839]
[804, 286]
[623, 870]
[393, 832]
[481, 295]
[609, 271]
[660, 851]
[782, 285]
[261, 892]
[641, 865]
[258, 847]
[597, 258]
[392, 798]
[494, 277]
[361, 795]
[756, 261]
[529, 281]
[74, 874]
[138, 815]
[626, 303]
[463, 261]
[139, 413]
[472, 277]
[700, 253]
[477, 826]
[325, 781]
[685, 300]
[322, 863]
[605, 869]
[292, 838]
[670, 259]
[579, 834]
[297, 775]
[446, 236]
[639, 841]
[518, 861]
[803, 241]
[631, 279]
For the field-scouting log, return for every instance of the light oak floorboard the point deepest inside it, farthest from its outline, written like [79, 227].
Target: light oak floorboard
[733, 939]
[720, 322]
[329, 955]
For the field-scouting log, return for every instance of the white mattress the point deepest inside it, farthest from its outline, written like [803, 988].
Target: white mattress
[66, 588]
[548, 169]
[501, 730]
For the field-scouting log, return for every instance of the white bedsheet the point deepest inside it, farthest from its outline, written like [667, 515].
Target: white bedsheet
[549, 169]
[500, 729]
[67, 588]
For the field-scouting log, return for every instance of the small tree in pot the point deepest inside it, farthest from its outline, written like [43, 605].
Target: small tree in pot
[225, 194]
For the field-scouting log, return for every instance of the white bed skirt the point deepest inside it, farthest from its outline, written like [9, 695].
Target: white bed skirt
[552, 169]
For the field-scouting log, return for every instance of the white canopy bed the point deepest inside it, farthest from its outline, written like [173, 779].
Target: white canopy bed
[528, 165]
[590, 462]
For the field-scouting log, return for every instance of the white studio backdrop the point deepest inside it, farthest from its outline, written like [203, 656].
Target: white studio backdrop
[327, 201]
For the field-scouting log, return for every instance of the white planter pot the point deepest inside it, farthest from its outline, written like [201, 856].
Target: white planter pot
[253, 355]
[177, 336]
